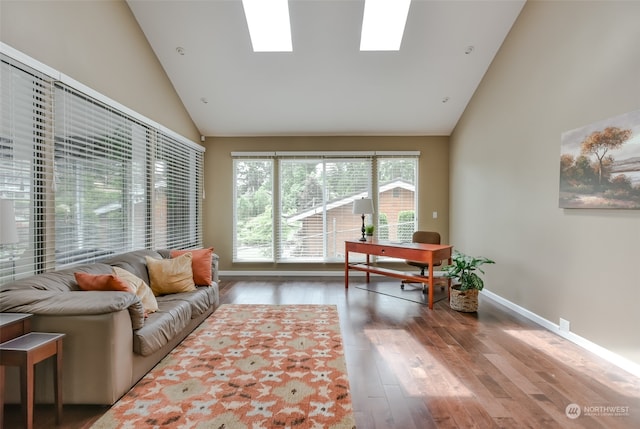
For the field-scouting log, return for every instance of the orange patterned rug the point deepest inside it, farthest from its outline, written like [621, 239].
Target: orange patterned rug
[247, 366]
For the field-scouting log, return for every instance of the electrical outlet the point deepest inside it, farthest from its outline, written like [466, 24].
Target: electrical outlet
[565, 325]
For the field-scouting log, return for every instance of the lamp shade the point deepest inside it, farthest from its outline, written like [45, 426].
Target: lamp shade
[8, 233]
[363, 206]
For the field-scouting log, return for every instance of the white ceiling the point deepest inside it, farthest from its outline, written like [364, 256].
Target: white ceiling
[326, 86]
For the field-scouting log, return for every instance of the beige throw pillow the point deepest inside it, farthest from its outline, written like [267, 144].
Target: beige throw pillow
[170, 275]
[142, 290]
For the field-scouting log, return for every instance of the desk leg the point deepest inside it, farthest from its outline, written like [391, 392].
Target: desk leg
[346, 269]
[368, 274]
[431, 282]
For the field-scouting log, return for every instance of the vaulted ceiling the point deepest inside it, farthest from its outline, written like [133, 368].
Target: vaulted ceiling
[326, 86]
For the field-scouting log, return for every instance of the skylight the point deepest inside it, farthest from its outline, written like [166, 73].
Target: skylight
[269, 25]
[383, 24]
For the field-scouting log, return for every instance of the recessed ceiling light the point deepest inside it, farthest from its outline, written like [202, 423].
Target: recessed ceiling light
[445, 99]
[180, 50]
[383, 24]
[204, 100]
[469, 49]
[269, 25]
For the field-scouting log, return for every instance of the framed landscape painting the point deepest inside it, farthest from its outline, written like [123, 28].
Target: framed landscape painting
[600, 165]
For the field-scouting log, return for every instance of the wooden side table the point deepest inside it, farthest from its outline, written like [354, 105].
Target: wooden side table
[13, 325]
[26, 351]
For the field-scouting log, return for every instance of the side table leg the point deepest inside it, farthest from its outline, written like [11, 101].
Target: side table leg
[27, 391]
[1, 396]
[57, 383]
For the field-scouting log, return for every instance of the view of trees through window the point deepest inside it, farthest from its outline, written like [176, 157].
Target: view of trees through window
[306, 214]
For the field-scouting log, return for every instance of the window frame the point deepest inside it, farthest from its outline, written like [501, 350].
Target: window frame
[278, 158]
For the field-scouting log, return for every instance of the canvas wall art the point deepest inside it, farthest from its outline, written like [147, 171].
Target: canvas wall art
[600, 164]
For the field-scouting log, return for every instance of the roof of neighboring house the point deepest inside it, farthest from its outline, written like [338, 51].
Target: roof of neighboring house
[394, 184]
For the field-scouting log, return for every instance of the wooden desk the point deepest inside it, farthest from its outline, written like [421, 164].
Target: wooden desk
[421, 252]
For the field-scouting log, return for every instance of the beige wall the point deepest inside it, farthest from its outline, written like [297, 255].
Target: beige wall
[99, 44]
[218, 214]
[564, 65]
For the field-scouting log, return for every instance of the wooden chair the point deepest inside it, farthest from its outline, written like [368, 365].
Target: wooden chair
[428, 237]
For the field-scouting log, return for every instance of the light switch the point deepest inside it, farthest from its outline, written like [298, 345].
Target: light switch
[435, 215]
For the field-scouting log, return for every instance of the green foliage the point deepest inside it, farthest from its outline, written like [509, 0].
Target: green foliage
[463, 269]
[383, 230]
[406, 225]
[368, 229]
[393, 168]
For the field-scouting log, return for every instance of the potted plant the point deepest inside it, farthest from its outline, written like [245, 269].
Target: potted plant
[467, 282]
[368, 231]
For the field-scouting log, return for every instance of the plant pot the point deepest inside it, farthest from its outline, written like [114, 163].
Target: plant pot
[465, 301]
[369, 238]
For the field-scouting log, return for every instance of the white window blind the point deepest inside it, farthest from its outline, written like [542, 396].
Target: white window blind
[95, 183]
[316, 201]
[178, 190]
[25, 167]
[253, 210]
[310, 212]
[89, 178]
[397, 197]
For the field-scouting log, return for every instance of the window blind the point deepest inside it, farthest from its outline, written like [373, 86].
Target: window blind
[25, 167]
[178, 188]
[316, 200]
[253, 197]
[89, 178]
[308, 207]
[97, 190]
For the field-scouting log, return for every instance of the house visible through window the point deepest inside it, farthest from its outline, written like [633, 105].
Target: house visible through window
[293, 207]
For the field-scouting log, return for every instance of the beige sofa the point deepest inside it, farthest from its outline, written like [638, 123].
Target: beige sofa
[109, 345]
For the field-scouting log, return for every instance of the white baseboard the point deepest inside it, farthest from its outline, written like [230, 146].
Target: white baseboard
[251, 273]
[600, 351]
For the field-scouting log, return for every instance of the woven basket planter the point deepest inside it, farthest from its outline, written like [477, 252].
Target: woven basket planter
[465, 301]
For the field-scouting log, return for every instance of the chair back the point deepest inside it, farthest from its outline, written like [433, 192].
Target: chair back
[427, 237]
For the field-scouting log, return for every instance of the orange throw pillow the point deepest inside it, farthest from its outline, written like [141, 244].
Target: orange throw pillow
[101, 282]
[200, 264]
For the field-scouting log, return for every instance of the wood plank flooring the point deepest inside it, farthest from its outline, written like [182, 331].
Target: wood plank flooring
[415, 368]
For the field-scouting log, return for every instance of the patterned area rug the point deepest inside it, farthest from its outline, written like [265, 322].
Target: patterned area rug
[247, 366]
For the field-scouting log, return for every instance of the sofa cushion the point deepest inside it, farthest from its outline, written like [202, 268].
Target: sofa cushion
[134, 262]
[162, 326]
[170, 275]
[140, 288]
[200, 300]
[200, 264]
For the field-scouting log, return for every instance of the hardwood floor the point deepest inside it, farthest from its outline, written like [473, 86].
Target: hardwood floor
[413, 368]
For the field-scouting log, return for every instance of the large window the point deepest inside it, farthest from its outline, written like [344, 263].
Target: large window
[89, 178]
[297, 207]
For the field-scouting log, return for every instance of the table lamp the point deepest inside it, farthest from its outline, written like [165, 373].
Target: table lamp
[363, 206]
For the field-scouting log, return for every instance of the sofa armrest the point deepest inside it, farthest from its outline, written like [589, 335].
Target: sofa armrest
[73, 303]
